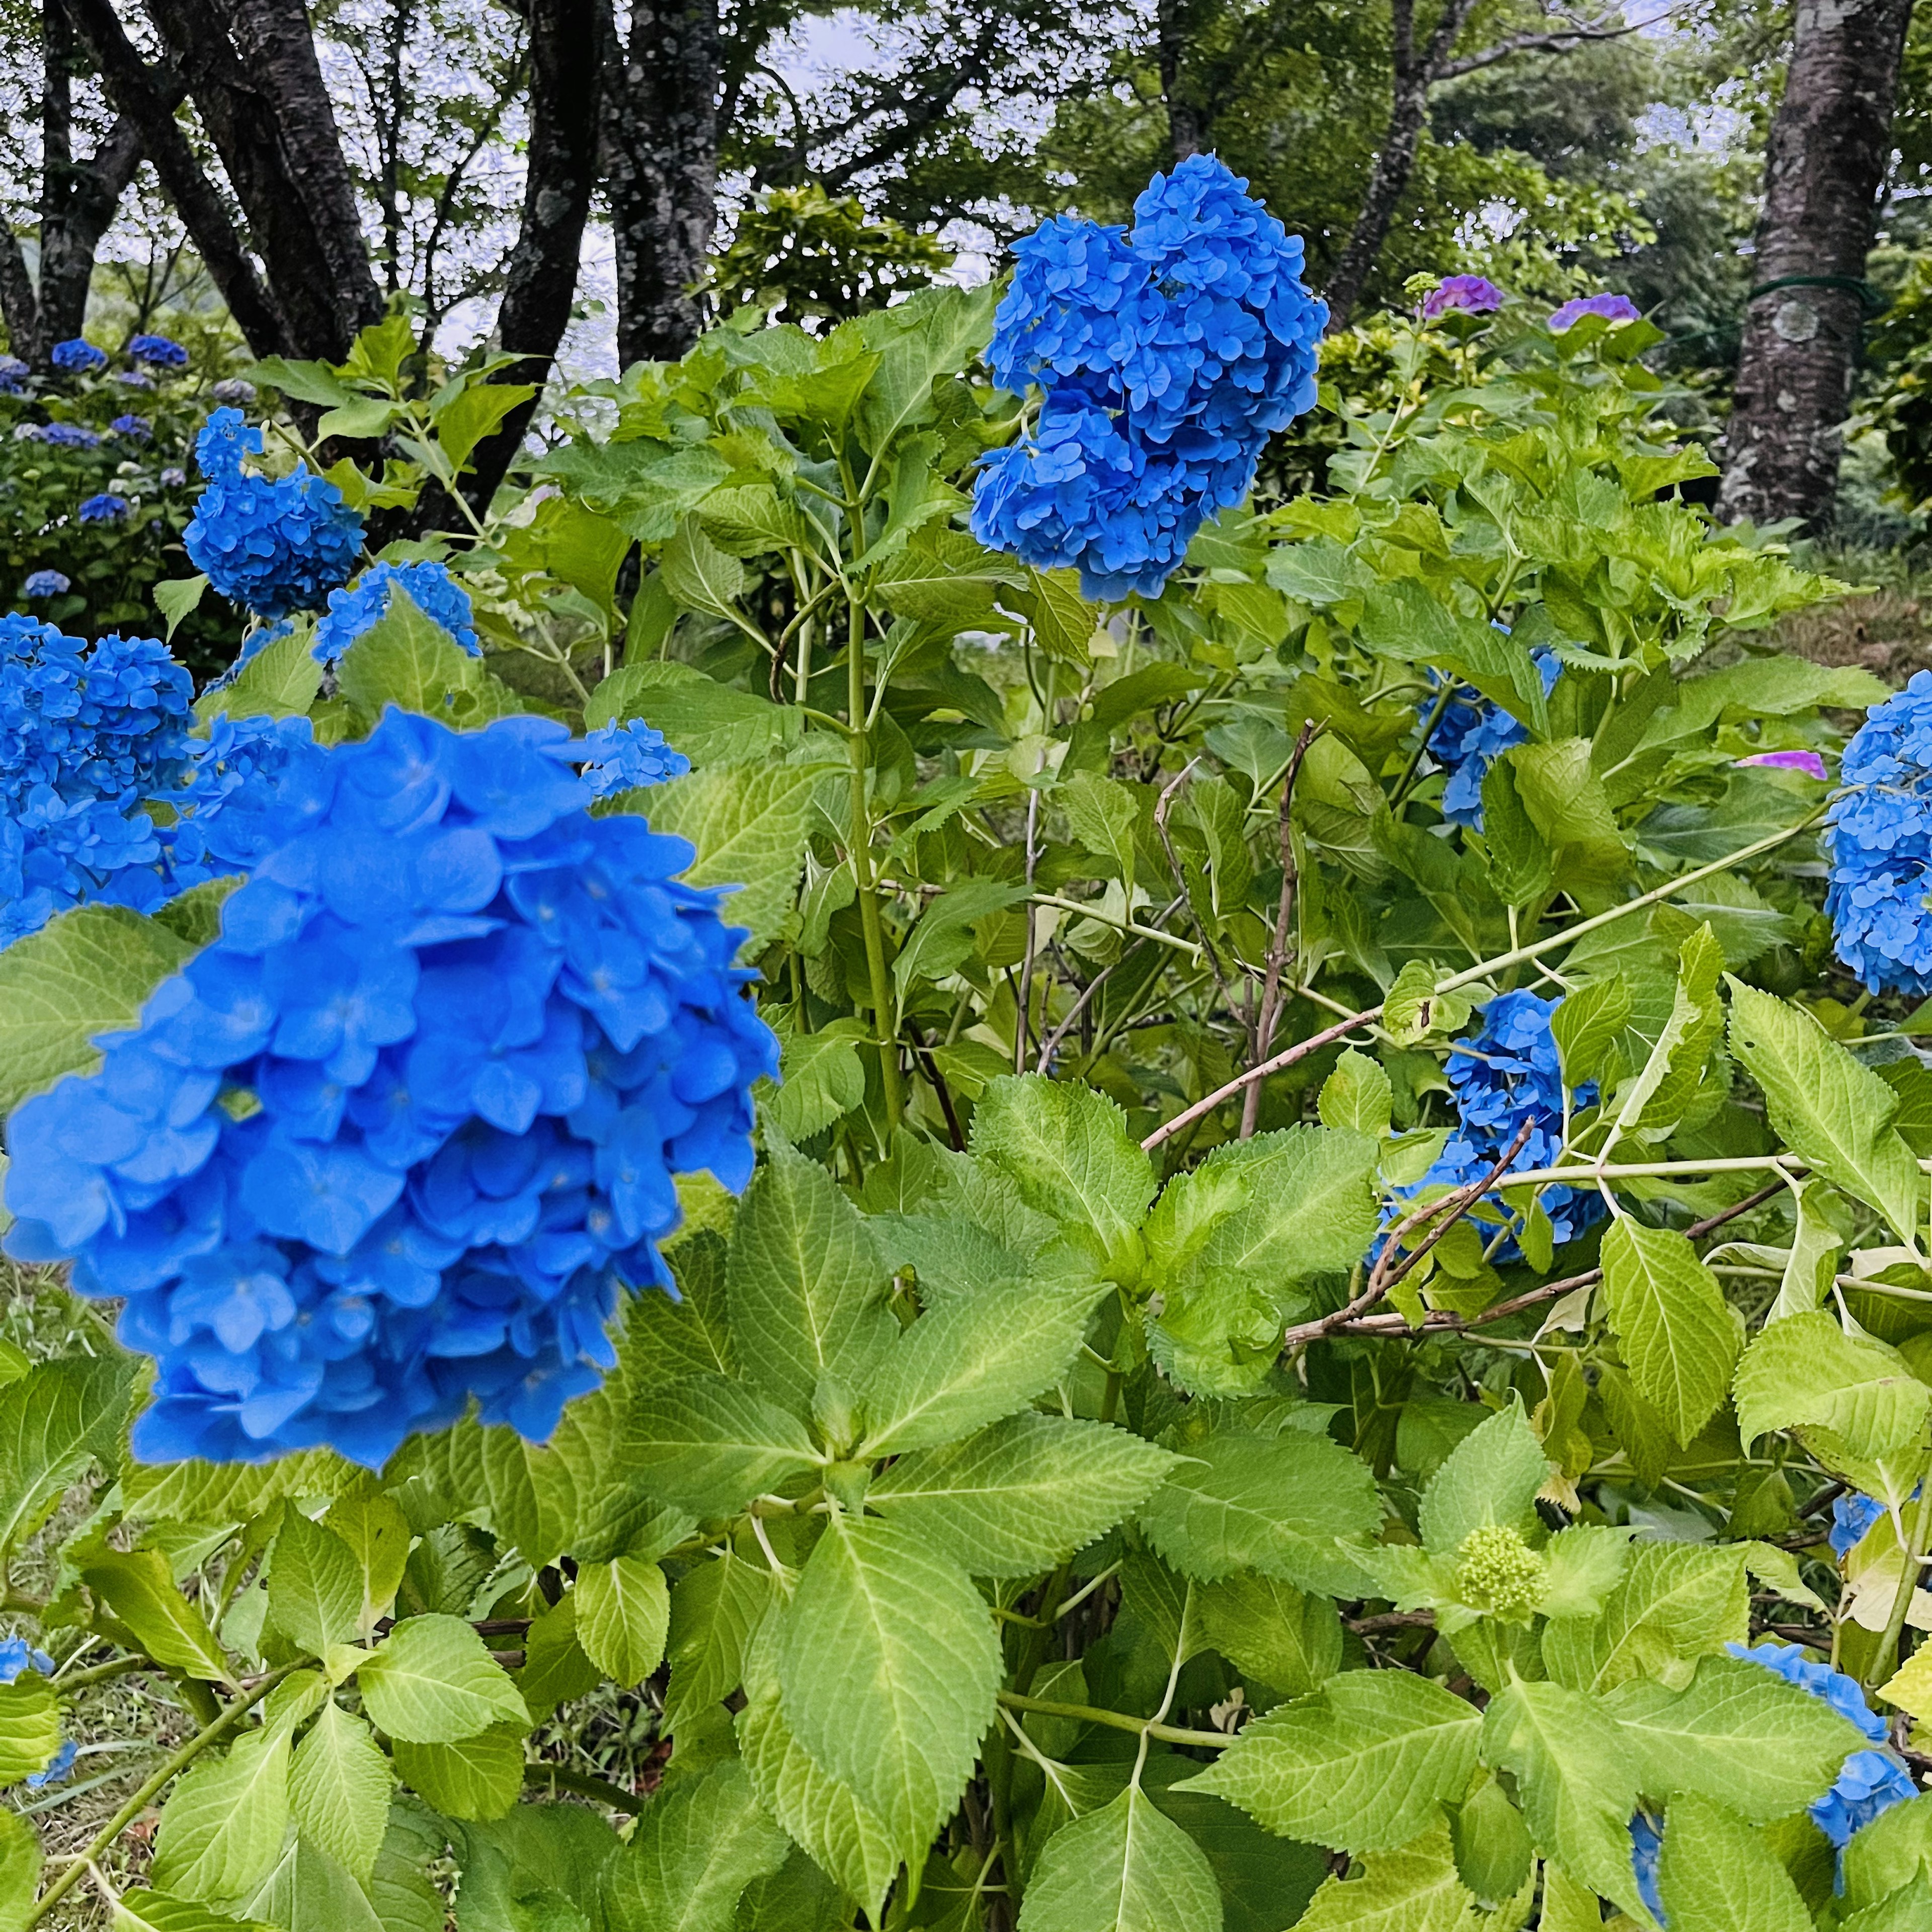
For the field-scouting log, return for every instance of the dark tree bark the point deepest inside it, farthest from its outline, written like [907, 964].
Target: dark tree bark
[1829, 146]
[78, 199]
[661, 133]
[255, 81]
[1416, 72]
[147, 96]
[1190, 119]
[540, 283]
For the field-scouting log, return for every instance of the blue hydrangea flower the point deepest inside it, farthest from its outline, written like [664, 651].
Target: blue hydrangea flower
[624, 757]
[1506, 1073]
[87, 732]
[275, 544]
[1852, 1517]
[1472, 294]
[69, 436]
[1615, 308]
[1870, 1781]
[106, 508]
[17, 1657]
[1167, 355]
[77, 354]
[227, 810]
[137, 427]
[396, 1138]
[359, 607]
[235, 390]
[134, 378]
[1646, 1852]
[44, 583]
[1880, 899]
[59, 1767]
[1472, 732]
[14, 374]
[158, 350]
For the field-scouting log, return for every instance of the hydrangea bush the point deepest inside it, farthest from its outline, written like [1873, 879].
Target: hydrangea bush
[1269, 1269]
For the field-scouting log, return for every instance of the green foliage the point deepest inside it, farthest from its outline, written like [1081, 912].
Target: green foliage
[1049, 1503]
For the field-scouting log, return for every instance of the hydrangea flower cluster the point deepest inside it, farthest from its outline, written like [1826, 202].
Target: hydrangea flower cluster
[1646, 1854]
[397, 1137]
[44, 583]
[1613, 308]
[624, 757]
[14, 374]
[1881, 845]
[236, 391]
[159, 351]
[1168, 354]
[137, 428]
[1473, 294]
[107, 508]
[87, 733]
[275, 543]
[360, 606]
[1508, 1073]
[1853, 1517]
[1871, 1781]
[1472, 733]
[78, 356]
[66, 436]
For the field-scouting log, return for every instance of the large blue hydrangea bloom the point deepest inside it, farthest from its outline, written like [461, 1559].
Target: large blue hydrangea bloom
[396, 1138]
[360, 606]
[78, 356]
[1870, 1781]
[626, 757]
[1506, 1073]
[1167, 355]
[1880, 900]
[87, 733]
[1470, 736]
[275, 543]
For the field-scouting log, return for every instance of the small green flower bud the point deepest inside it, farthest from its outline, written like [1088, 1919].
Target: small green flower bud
[1497, 1573]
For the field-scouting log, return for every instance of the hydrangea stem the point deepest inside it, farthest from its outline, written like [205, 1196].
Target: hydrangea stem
[859, 749]
[1918, 1531]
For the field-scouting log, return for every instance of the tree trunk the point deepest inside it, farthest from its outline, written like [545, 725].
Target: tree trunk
[1189, 122]
[660, 128]
[271, 122]
[147, 97]
[541, 280]
[1415, 74]
[1829, 146]
[19, 304]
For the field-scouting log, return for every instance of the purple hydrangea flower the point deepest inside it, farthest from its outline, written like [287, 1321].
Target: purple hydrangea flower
[134, 378]
[1788, 761]
[234, 390]
[1613, 308]
[1471, 293]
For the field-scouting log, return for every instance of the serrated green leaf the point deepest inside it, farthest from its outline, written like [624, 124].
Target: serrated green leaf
[1357, 1095]
[1021, 1495]
[53, 1421]
[431, 1681]
[142, 1910]
[699, 575]
[1586, 1025]
[315, 1585]
[176, 597]
[715, 1608]
[1521, 869]
[407, 659]
[1718, 1875]
[1894, 1851]
[1492, 1476]
[694, 1852]
[1740, 1735]
[823, 1079]
[1829, 1110]
[971, 1362]
[1126, 1868]
[709, 1446]
[20, 1872]
[1289, 1506]
[339, 1790]
[1657, 1097]
[1675, 1604]
[623, 1616]
[86, 972]
[887, 1663]
[308, 1891]
[476, 1777]
[221, 1831]
[1067, 1149]
[30, 1726]
[198, 1492]
[1360, 1766]
[1679, 1341]
[710, 723]
[139, 1587]
[1806, 1371]
[1416, 1889]
[1272, 1632]
[282, 680]
[371, 1525]
[807, 1290]
[1576, 1778]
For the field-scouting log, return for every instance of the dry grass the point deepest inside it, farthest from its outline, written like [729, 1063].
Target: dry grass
[1887, 631]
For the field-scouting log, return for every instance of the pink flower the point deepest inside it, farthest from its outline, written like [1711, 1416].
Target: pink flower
[1808, 762]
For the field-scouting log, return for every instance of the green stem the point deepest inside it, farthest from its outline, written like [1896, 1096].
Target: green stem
[1918, 1527]
[209, 1734]
[858, 746]
[550, 1776]
[101, 1673]
[1116, 1720]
